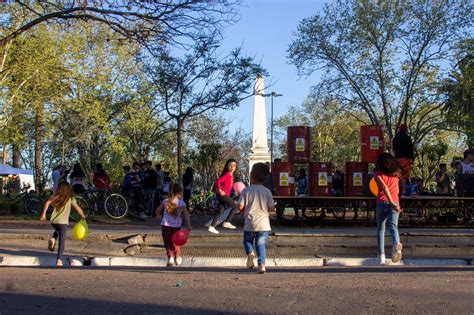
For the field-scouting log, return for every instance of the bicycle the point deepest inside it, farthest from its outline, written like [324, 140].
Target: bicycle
[115, 205]
[204, 203]
[31, 202]
[137, 213]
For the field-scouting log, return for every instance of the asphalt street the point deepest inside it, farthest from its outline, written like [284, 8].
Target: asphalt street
[236, 291]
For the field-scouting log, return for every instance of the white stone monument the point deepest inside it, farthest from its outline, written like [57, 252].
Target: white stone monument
[259, 151]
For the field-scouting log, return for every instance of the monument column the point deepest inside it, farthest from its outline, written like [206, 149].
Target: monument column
[259, 151]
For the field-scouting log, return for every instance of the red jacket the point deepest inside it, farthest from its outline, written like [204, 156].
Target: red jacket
[225, 183]
[101, 182]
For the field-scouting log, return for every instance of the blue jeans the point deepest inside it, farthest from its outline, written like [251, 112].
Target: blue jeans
[385, 213]
[260, 240]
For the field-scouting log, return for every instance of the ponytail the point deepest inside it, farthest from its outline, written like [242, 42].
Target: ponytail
[176, 191]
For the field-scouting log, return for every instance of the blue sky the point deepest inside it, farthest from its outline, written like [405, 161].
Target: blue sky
[265, 31]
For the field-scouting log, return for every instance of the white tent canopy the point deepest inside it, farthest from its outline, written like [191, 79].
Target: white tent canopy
[25, 176]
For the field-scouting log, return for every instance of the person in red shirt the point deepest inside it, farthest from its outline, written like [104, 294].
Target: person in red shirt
[404, 153]
[101, 179]
[223, 190]
[388, 204]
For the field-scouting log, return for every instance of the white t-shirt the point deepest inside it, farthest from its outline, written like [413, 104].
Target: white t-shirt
[256, 199]
[173, 220]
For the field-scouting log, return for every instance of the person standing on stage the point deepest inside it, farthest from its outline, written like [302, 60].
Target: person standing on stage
[404, 153]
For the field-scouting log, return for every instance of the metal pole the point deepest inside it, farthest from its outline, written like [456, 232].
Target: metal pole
[271, 131]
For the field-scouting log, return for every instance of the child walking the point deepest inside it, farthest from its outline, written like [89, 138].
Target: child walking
[257, 201]
[171, 213]
[388, 205]
[61, 201]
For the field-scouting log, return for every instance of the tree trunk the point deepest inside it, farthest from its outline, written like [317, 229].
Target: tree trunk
[63, 151]
[38, 149]
[4, 154]
[16, 156]
[179, 150]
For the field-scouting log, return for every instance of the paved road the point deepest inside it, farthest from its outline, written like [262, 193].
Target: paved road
[231, 291]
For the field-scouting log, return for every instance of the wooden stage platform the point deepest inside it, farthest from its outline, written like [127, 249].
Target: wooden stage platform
[440, 209]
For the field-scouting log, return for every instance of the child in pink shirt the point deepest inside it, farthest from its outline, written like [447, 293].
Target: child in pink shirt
[223, 190]
[171, 213]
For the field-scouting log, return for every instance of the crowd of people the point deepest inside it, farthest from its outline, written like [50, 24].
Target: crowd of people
[141, 182]
[255, 202]
[391, 174]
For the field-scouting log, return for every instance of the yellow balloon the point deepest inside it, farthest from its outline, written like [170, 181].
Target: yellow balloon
[80, 230]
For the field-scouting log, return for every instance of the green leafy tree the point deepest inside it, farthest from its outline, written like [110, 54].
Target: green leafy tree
[210, 144]
[199, 82]
[335, 133]
[34, 84]
[105, 83]
[459, 89]
[428, 159]
[383, 57]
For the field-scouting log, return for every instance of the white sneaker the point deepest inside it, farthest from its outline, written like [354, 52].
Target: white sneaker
[397, 252]
[178, 260]
[261, 269]
[170, 262]
[382, 259]
[229, 225]
[250, 258]
[212, 230]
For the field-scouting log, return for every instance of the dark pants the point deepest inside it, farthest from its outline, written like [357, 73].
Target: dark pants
[149, 201]
[279, 213]
[137, 199]
[167, 232]
[158, 197]
[60, 231]
[224, 203]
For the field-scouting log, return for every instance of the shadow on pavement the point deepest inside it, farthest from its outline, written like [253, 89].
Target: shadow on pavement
[23, 252]
[15, 303]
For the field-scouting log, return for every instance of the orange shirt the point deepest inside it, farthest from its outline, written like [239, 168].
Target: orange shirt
[392, 184]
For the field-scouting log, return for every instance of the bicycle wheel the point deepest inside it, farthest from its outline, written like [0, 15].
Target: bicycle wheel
[195, 208]
[116, 206]
[32, 205]
[84, 204]
[212, 205]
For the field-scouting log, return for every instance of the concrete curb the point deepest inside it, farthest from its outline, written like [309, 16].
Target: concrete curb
[38, 261]
[201, 262]
[209, 262]
[366, 262]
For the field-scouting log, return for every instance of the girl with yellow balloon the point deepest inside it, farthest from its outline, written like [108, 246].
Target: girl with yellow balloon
[62, 201]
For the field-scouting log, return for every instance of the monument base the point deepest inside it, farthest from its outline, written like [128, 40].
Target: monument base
[258, 156]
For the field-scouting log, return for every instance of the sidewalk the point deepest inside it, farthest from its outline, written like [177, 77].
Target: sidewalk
[24, 244]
